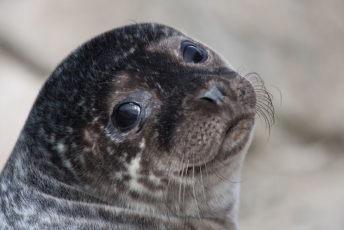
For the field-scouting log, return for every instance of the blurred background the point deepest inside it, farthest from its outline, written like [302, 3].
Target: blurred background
[292, 178]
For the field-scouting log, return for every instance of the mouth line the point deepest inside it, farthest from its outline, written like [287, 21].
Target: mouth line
[234, 125]
[231, 128]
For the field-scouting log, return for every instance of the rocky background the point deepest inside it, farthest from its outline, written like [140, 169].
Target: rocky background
[294, 177]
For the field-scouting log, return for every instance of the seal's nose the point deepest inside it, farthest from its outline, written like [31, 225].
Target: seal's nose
[214, 95]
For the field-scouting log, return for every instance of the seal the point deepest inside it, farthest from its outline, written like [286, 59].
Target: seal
[141, 127]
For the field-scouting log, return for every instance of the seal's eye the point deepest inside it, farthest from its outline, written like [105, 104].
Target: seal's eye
[128, 115]
[192, 53]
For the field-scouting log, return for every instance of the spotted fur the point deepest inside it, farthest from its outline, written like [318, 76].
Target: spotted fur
[73, 168]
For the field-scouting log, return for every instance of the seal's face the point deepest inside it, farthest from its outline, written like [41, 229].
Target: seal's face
[146, 118]
[174, 118]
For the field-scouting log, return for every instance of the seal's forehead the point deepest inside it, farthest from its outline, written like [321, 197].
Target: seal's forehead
[145, 32]
[165, 39]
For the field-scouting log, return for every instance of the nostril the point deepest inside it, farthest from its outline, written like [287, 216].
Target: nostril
[208, 99]
[213, 95]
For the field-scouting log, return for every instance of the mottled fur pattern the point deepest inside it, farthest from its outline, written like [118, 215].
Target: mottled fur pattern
[73, 168]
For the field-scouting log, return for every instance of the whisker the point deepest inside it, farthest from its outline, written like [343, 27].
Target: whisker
[186, 173]
[194, 193]
[202, 183]
[264, 106]
[180, 183]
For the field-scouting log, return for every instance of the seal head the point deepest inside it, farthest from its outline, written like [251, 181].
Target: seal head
[142, 127]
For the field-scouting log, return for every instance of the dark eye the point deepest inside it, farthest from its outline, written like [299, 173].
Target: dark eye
[128, 115]
[192, 53]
